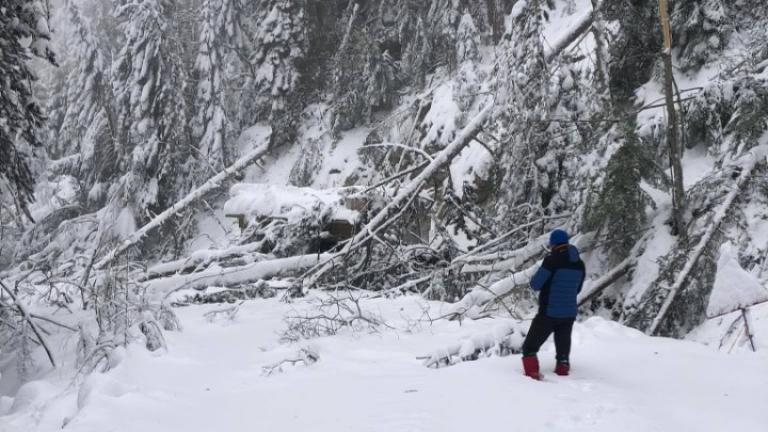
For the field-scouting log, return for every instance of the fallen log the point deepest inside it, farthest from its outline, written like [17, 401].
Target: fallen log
[506, 340]
[204, 258]
[231, 276]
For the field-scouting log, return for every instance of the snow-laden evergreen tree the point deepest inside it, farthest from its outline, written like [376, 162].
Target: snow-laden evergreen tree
[24, 34]
[523, 100]
[619, 213]
[278, 38]
[469, 77]
[220, 35]
[700, 30]
[84, 136]
[150, 80]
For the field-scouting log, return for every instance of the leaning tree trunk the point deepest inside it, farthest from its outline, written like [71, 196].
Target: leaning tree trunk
[673, 126]
[663, 311]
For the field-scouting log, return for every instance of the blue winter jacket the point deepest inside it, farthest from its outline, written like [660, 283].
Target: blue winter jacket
[559, 281]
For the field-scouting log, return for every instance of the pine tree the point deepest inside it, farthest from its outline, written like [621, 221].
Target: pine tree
[21, 117]
[700, 30]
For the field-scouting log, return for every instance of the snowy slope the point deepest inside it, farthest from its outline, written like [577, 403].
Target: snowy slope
[211, 379]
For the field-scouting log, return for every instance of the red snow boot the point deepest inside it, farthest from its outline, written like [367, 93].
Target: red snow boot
[531, 367]
[562, 368]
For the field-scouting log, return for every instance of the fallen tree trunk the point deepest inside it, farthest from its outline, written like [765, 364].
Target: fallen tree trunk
[581, 27]
[231, 276]
[506, 340]
[469, 256]
[389, 213]
[746, 170]
[213, 183]
[481, 295]
[204, 258]
[597, 286]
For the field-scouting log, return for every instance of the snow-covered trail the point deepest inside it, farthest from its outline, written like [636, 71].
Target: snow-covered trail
[211, 380]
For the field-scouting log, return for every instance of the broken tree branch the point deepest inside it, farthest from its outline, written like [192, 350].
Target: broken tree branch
[28, 318]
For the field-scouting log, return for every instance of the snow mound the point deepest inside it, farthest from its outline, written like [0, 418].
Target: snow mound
[292, 203]
[734, 287]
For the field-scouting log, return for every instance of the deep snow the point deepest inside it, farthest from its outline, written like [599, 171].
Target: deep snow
[211, 379]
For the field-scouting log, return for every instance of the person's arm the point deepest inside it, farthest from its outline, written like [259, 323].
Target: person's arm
[583, 277]
[543, 275]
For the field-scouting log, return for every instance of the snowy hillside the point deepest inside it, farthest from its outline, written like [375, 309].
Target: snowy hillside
[321, 215]
[213, 377]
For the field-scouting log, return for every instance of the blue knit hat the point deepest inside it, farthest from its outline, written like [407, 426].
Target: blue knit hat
[558, 237]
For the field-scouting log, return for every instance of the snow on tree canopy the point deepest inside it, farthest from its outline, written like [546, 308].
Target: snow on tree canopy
[290, 202]
[734, 287]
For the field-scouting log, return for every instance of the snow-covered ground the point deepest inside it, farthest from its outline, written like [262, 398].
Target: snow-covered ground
[211, 379]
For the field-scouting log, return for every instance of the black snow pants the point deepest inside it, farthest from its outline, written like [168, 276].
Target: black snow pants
[541, 327]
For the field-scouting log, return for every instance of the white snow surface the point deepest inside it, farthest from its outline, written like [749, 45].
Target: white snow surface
[734, 287]
[211, 379]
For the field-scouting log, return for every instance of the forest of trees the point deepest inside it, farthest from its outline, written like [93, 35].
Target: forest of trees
[481, 135]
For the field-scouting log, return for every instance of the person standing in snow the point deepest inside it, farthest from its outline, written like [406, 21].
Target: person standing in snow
[558, 281]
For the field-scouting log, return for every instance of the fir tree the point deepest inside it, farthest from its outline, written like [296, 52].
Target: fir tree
[469, 77]
[220, 29]
[279, 39]
[24, 34]
[87, 123]
[149, 87]
[619, 214]
[700, 30]
[523, 89]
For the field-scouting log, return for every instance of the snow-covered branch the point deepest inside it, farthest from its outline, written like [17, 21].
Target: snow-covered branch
[505, 340]
[576, 31]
